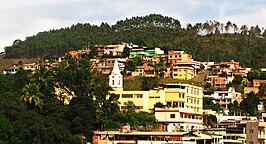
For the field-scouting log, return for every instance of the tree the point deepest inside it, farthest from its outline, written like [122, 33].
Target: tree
[202, 67]
[249, 104]
[159, 105]
[262, 90]
[131, 65]
[228, 26]
[254, 74]
[78, 76]
[126, 52]
[107, 104]
[6, 130]
[209, 104]
[210, 120]
[93, 53]
[31, 96]
[45, 80]
[81, 114]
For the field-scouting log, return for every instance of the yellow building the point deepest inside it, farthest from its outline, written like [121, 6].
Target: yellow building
[183, 72]
[183, 104]
[184, 107]
[144, 100]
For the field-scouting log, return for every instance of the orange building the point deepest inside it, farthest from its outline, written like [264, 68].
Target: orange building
[217, 81]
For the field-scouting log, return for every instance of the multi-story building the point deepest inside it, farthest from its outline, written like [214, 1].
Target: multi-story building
[217, 81]
[114, 49]
[183, 72]
[224, 98]
[183, 107]
[175, 56]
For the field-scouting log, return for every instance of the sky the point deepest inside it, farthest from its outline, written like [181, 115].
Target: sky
[23, 18]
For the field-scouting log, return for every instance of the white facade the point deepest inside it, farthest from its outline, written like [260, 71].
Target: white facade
[116, 79]
[158, 51]
[179, 120]
[226, 97]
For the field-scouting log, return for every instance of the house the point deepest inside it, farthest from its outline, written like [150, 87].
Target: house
[31, 67]
[217, 81]
[175, 56]
[145, 70]
[224, 98]
[113, 49]
[256, 83]
[11, 70]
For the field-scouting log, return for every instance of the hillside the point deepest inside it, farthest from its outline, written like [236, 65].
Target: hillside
[5, 63]
[246, 45]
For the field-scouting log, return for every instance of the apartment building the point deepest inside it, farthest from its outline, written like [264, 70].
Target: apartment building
[184, 104]
[183, 72]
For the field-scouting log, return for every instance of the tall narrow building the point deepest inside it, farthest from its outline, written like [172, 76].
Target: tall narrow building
[116, 78]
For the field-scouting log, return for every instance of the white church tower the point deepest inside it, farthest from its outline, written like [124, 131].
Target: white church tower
[116, 79]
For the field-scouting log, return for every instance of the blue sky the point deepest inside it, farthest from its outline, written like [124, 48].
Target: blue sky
[23, 18]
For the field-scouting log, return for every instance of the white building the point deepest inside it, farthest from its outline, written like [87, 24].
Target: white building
[226, 97]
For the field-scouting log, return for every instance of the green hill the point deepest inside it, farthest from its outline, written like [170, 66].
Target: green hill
[247, 46]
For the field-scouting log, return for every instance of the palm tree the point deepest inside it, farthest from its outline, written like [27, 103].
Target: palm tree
[31, 96]
[45, 81]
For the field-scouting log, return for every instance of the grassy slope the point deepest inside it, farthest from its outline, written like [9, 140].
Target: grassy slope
[135, 82]
[5, 63]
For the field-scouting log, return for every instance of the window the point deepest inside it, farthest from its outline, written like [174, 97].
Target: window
[183, 95]
[138, 95]
[169, 104]
[172, 115]
[175, 104]
[113, 82]
[182, 104]
[127, 95]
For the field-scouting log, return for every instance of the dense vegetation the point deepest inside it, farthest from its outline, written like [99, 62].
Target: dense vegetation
[209, 41]
[30, 112]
